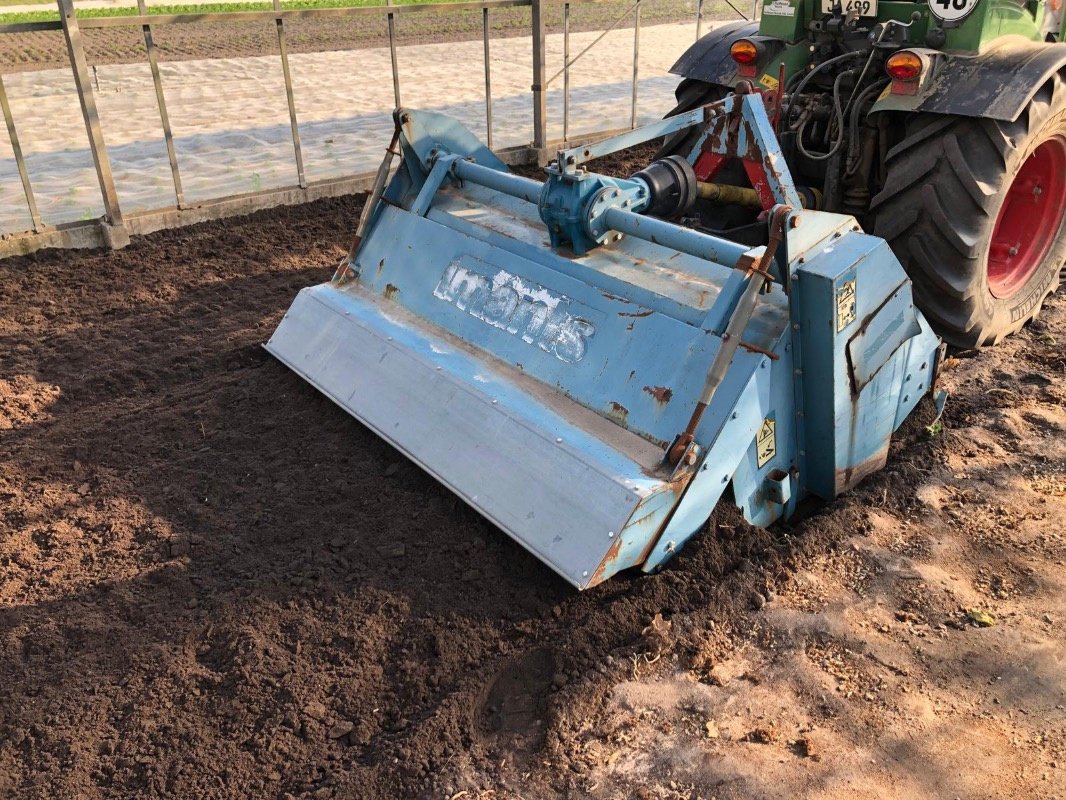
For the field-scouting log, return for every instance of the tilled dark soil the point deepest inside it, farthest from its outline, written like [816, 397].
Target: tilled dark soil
[47, 49]
[214, 583]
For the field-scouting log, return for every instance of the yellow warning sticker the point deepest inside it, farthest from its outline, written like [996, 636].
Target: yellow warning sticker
[770, 82]
[845, 304]
[766, 442]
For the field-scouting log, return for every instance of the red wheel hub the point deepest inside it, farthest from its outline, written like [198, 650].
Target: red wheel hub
[1029, 220]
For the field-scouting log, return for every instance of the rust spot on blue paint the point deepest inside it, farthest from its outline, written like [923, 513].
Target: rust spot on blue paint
[390, 291]
[618, 412]
[661, 394]
[606, 567]
[635, 313]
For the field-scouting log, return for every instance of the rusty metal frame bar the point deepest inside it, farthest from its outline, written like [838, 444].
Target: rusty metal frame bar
[20, 162]
[488, 77]
[115, 230]
[566, 71]
[636, 65]
[540, 86]
[392, 54]
[301, 176]
[164, 117]
[699, 19]
[30, 27]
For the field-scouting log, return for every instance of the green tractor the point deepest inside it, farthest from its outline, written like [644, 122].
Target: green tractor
[940, 126]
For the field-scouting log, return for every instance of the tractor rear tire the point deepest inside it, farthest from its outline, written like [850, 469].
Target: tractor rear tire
[690, 94]
[975, 209]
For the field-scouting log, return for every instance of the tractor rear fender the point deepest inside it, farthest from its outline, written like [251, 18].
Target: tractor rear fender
[996, 84]
[708, 59]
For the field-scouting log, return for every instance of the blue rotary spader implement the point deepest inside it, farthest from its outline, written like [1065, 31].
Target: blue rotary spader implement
[589, 370]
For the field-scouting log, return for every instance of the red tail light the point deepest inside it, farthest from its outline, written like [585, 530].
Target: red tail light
[904, 66]
[745, 52]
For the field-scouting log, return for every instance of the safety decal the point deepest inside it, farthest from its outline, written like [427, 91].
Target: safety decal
[766, 442]
[845, 304]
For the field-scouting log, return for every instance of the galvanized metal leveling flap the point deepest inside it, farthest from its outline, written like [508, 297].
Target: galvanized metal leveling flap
[592, 377]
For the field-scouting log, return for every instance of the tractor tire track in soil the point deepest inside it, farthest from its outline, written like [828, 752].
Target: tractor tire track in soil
[214, 583]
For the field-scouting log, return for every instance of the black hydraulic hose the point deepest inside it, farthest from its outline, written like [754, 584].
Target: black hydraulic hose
[830, 62]
[841, 129]
[870, 60]
[853, 122]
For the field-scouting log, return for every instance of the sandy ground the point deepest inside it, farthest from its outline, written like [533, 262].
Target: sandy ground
[215, 584]
[231, 121]
[870, 673]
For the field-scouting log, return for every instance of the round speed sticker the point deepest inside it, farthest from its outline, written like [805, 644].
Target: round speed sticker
[952, 10]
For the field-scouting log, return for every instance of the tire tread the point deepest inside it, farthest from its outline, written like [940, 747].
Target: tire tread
[938, 203]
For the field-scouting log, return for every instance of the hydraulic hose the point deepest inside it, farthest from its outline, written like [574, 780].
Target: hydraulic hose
[841, 128]
[869, 61]
[853, 121]
[828, 63]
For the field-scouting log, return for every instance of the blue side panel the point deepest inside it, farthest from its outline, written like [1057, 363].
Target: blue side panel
[726, 450]
[630, 360]
[561, 480]
[919, 375]
[864, 346]
[429, 131]
[772, 449]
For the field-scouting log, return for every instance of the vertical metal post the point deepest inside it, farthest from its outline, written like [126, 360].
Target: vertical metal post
[114, 230]
[756, 7]
[488, 77]
[566, 72]
[636, 64]
[31, 203]
[297, 149]
[392, 55]
[699, 19]
[168, 135]
[540, 105]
